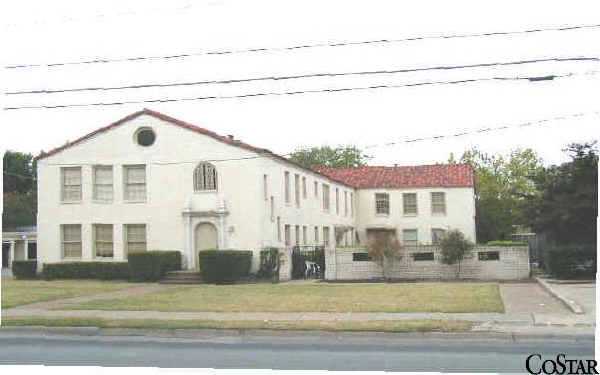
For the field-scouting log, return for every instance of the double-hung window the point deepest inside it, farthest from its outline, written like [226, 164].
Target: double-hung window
[134, 179]
[409, 203]
[297, 189]
[135, 238]
[438, 203]
[103, 183]
[103, 240]
[409, 237]
[382, 203]
[71, 240]
[325, 197]
[287, 187]
[71, 184]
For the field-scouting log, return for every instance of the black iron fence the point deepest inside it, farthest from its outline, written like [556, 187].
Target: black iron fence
[308, 262]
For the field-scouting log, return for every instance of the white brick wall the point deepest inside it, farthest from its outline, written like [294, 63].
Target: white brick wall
[512, 265]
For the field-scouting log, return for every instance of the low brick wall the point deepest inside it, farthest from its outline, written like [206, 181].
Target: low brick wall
[512, 264]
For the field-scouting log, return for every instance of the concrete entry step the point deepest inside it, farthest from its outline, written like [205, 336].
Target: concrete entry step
[182, 277]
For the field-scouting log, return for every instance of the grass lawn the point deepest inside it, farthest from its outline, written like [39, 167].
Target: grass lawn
[418, 297]
[22, 292]
[373, 325]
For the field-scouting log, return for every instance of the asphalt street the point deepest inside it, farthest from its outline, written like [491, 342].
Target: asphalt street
[290, 353]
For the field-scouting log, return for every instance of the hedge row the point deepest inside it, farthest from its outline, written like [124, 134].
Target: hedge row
[224, 266]
[571, 262]
[153, 265]
[507, 243]
[24, 269]
[86, 270]
[143, 266]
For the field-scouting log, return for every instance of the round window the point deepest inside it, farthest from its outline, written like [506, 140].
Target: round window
[145, 137]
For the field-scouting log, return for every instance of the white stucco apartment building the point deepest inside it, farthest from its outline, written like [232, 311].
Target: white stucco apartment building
[149, 181]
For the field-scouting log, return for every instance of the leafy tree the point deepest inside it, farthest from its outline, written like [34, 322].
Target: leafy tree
[385, 249]
[19, 172]
[455, 246]
[565, 208]
[502, 186]
[325, 156]
[20, 190]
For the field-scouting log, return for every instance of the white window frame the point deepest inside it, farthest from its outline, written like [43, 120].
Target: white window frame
[127, 184]
[272, 208]
[202, 180]
[96, 241]
[316, 235]
[383, 198]
[287, 240]
[435, 211]
[404, 204]
[326, 200]
[287, 191]
[278, 229]
[326, 236]
[304, 192]
[297, 235]
[63, 241]
[414, 242]
[265, 186]
[316, 189]
[297, 189]
[433, 242]
[337, 201]
[126, 240]
[304, 235]
[95, 197]
[63, 184]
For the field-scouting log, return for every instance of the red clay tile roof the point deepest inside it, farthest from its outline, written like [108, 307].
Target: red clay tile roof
[442, 175]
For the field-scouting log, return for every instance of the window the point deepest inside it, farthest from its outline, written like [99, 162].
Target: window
[71, 240]
[103, 240]
[422, 256]
[326, 236]
[205, 177]
[345, 203]
[135, 183]
[304, 187]
[488, 255]
[325, 197]
[409, 202]
[286, 233]
[316, 189]
[145, 137]
[438, 203]
[437, 235]
[297, 189]
[287, 187]
[352, 204]
[361, 257]
[135, 238]
[266, 191]
[103, 183]
[71, 184]
[297, 235]
[409, 237]
[382, 203]
[272, 208]
[316, 235]
[278, 229]
[304, 235]
[337, 201]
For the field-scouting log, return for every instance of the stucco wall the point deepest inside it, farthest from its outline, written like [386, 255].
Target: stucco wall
[460, 212]
[512, 265]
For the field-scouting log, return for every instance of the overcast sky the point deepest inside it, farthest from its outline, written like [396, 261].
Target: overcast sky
[62, 31]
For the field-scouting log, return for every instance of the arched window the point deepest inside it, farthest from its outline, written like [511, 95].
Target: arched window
[205, 177]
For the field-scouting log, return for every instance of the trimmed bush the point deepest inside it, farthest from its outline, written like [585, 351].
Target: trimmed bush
[224, 266]
[571, 262]
[86, 270]
[24, 269]
[506, 243]
[153, 265]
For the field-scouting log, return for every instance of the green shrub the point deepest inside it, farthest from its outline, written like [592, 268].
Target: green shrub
[455, 246]
[506, 243]
[24, 269]
[269, 263]
[86, 270]
[153, 265]
[571, 262]
[223, 266]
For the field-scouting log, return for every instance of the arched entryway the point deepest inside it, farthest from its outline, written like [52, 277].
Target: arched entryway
[206, 237]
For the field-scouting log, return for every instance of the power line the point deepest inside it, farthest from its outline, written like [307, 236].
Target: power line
[305, 46]
[413, 140]
[312, 75]
[262, 94]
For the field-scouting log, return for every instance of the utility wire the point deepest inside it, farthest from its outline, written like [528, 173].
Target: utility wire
[312, 75]
[306, 46]
[481, 131]
[262, 94]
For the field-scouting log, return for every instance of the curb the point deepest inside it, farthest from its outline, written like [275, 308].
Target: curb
[241, 334]
[571, 305]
